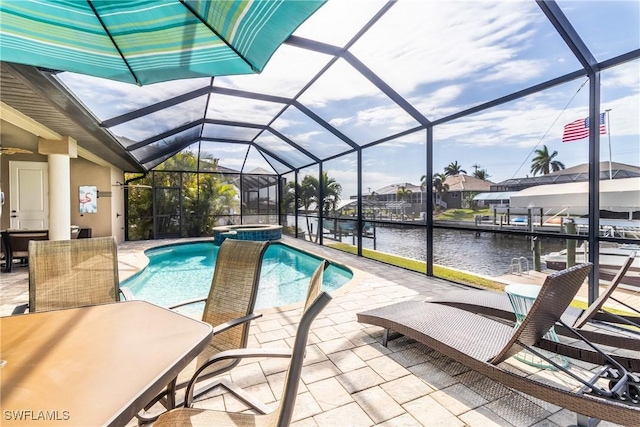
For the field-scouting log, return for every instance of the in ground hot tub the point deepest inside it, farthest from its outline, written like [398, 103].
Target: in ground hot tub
[258, 232]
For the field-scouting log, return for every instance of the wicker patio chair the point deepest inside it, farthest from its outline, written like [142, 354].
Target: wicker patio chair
[282, 415]
[482, 344]
[73, 273]
[228, 308]
[610, 331]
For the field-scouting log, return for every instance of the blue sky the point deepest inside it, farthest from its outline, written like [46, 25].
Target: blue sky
[442, 57]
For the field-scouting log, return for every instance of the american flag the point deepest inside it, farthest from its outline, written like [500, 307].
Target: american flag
[579, 129]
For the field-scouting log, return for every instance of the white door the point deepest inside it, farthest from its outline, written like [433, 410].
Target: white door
[29, 200]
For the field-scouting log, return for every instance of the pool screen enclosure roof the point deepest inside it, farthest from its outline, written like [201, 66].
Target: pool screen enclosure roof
[357, 74]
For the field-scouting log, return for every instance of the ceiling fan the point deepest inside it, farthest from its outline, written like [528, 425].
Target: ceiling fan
[14, 150]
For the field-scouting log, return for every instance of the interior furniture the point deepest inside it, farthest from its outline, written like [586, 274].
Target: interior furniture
[92, 366]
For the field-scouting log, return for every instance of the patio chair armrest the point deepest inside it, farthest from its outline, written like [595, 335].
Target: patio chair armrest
[183, 303]
[20, 309]
[127, 294]
[235, 322]
[241, 353]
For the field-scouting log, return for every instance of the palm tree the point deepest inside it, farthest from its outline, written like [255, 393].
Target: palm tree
[454, 169]
[423, 182]
[309, 193]
[543, 162]
[481, 174]
[440, 186]
[289, 197]
[403, 194]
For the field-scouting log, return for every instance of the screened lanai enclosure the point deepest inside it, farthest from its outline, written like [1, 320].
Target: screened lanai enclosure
[398, 130]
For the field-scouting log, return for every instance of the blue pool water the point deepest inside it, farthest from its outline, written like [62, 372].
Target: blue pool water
[182, 272]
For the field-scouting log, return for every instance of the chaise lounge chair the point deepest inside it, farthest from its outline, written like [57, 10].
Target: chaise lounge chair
[280, 417]
[73, 273]
[482, 344]
[609, 332]
[228, 309]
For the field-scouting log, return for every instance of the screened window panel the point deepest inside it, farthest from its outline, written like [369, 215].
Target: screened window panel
[308, 209]
[117, 98]
[608, 28]
[391, 189]
[172, 144]
[229, 132]
[342, 174]
[286, 73]
[503, 140]
[463, 53]
[256, 163]
[273, 144]
[355, 106]
[185, 160]
[278, 166]
[620, 93]
[239, 109]
[307, 133]
[161, 121]
[230, 156]
[344, 18]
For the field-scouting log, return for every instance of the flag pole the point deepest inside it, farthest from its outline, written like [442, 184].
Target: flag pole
[607, 111]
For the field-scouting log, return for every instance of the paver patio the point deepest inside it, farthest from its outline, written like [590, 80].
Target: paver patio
[349, 378]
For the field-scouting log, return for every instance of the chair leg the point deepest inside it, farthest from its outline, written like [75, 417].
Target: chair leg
[244, 396]
[584, 421]
[385, 337]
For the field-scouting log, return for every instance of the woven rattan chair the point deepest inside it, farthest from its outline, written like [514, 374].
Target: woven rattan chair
[228, 308]
[482, 344]
[280, 417]
[609, 332]
[73, 273]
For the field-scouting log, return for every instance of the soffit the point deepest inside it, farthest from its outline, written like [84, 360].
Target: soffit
[32, 94]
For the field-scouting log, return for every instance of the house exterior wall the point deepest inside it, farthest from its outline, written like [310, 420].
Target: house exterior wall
[82, 172]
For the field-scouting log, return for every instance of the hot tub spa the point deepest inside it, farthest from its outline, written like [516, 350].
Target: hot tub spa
[256, 232]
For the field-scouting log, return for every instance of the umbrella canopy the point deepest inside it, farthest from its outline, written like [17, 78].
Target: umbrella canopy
[148, 41]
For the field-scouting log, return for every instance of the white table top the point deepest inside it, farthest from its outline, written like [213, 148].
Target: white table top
[92, 366]
[525, 291]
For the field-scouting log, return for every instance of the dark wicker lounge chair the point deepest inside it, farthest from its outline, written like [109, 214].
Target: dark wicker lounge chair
[608, 333]
[482, 344]
[72, 273]
[228, 308]
[281, 416]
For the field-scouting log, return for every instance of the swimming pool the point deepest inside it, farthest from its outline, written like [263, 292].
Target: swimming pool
[183, 271]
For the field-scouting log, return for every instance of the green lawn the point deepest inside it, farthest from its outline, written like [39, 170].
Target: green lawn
[460, 214]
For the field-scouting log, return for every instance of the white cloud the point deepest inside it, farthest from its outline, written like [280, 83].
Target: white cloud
[445, 42]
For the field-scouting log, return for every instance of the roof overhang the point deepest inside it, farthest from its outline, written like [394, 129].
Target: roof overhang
[42, 106]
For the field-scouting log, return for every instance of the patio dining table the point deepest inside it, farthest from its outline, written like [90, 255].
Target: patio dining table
[92, 366]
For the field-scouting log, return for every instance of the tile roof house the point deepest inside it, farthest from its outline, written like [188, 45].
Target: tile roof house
[461, 188]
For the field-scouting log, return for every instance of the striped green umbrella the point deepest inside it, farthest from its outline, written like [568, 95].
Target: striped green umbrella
[148, 41]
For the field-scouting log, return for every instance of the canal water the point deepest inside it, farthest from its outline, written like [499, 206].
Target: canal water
[486, 253]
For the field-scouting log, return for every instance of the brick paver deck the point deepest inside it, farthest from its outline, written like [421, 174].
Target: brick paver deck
[349, 378]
